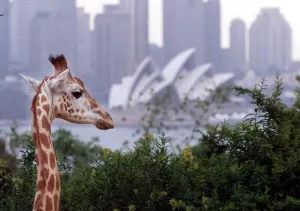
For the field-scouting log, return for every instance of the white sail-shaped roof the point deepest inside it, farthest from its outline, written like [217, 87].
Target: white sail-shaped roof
[181, 75]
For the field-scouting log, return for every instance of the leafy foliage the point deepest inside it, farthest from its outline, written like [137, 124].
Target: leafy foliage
[253, 165]
[191, 112]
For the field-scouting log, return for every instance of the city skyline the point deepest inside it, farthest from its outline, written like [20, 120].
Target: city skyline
[116, 55]
[247, 12]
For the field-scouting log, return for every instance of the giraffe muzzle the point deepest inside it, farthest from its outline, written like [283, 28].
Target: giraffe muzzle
[105, 122]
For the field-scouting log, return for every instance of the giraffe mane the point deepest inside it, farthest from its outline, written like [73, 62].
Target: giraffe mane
[59, 62]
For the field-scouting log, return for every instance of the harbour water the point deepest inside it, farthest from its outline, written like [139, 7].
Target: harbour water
[115, 138]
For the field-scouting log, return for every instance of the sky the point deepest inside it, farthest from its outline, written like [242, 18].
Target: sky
[230, 9]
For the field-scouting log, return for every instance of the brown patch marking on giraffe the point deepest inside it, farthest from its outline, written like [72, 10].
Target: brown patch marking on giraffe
[82, 111]
[68, 104]
[76, 116]
[45, 123]
[38, 102]
[52, 160]
[58, 204]
[34, 137]
[68, 98]
[77, 110]
[80, 118]
[45, 140]
[57, 181]
[44, 173]
[55, 202]
[41, 185]
[51, 184]
[46, 108]
[65, 106]
[43, 99]
[39, 112]
[44, 156]
[37, 159]
[38, 202]
[55, 109]
[71, 110]
[40, 209]
[49, 203]
[61, 106]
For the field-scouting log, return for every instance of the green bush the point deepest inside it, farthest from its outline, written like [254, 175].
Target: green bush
[253, 165]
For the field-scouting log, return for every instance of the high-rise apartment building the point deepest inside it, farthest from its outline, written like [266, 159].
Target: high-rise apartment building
[270, 42]
[183, 25]
[138, 12]
[23, 12]
[83, 61]
[51, 33]
[212, 33]
[237, 53]
[4, 37]
[112, 33]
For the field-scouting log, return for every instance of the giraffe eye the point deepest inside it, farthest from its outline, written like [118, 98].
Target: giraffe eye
[77, 94]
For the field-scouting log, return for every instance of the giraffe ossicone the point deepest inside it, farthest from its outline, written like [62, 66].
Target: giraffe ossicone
[60, 96]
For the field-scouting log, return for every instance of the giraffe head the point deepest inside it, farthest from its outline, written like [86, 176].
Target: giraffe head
[69, 99]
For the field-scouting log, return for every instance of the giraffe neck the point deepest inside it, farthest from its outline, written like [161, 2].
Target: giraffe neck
[47, 181]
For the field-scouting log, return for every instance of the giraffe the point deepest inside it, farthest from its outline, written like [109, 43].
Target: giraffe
[60, 96]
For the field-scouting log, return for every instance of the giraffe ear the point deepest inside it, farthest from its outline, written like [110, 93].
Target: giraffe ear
[60, 80]
[33, 83]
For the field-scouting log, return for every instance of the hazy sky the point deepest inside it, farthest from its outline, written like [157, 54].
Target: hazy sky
[244, 9]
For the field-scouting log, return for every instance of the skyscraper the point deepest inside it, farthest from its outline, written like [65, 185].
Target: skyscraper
[4, 37]
[125, 5]
[183, 27]
[237, 46]
[83, 61]
[212, 33]
[226, 60]
[50, 33]
[111, 8]
[270, 42]
[25, 11]
[138, 11]
[112, 33]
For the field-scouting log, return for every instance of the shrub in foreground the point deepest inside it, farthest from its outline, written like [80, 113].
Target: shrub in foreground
[253, 165]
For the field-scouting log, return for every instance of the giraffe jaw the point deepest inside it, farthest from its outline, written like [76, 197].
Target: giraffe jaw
[105, 125]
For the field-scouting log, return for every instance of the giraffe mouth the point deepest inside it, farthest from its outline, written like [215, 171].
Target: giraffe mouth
[102, 125]
[105, 123]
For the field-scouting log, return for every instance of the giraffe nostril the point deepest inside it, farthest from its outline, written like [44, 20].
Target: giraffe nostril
[103, 113]
[108, 115]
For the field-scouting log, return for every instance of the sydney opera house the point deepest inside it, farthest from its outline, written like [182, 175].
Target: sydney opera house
[181, 78]
[181, 75]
